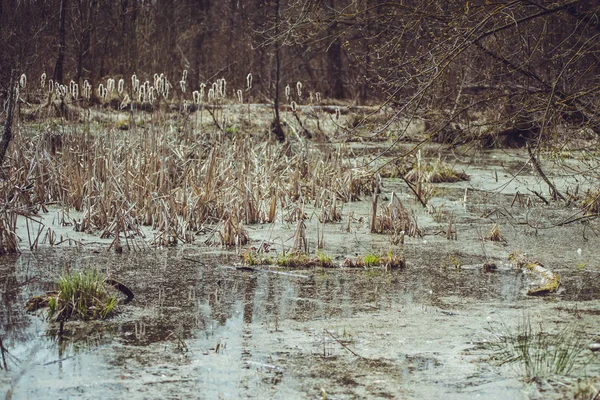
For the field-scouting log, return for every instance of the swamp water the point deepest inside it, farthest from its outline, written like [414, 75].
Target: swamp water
[198, 328]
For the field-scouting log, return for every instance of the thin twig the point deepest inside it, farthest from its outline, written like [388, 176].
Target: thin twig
[343, 345]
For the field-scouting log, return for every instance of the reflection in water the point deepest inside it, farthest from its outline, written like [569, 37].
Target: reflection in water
[200, 323]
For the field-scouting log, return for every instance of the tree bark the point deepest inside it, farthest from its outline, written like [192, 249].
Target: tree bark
[7, 134]
[334, 56]
[276, 128]
[60, 59]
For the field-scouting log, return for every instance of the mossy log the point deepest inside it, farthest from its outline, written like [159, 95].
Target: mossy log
[549, 281]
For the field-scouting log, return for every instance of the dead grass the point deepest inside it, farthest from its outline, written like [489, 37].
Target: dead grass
[174, 175]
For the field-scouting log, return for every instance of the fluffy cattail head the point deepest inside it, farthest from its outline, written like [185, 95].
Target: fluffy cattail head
[87, 90]
[23, 81]
[240, 96]
[293, 104]
[43, 80]
[110, 85]
[50, 86]
[223, 88]
[151, 95]
[135, 83]
[201, 97]
[318, 96]
[299, 88]
[249, 81]
[288, 92]
[121, 86]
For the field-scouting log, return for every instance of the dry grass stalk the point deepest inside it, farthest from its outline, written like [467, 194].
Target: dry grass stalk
[451, 231]
[175, 183]
[394, 218]
[232, 234]
[300, 240]
[9, 241]
[494, 234]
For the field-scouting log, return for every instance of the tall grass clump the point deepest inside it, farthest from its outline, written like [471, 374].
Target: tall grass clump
[539, 354]
[81, 295]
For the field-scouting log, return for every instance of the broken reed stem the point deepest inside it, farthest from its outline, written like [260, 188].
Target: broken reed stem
[374, 213]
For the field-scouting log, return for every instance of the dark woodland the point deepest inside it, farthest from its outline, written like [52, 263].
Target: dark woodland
[535, 63]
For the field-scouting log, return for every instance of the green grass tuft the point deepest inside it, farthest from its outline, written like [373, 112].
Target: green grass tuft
[81, 295]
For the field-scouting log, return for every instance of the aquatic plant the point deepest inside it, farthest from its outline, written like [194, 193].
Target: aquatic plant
[81, 295]
[369, 261]
[537, 353]
[435, 172]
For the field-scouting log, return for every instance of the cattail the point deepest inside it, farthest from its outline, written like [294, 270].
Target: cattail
[215, 88]
[299, 89]
[310, 97]
[318, 96]
[288, 92]
[211, 94]
[160, 87]
[186, 106]
[43, 80]
[156, 81]
[196, 97]
[125, 102]
[50, 86]
[223, 88]
[64, 90]
[182, 85]
[75, 91]
[293, 104]
[142, 94]
[202, 86]
[110, 85]
[151, 95]
[100, 90]
[184, 76]
[23, 81]
[166, 87]
[87, 90]
[121, 86]
[240, 96]
[135, 83]
[249, 81]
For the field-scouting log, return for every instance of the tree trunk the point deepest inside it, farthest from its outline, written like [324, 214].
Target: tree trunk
[276, 128]
[334, 58]
[7, 134]
[60, 59]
